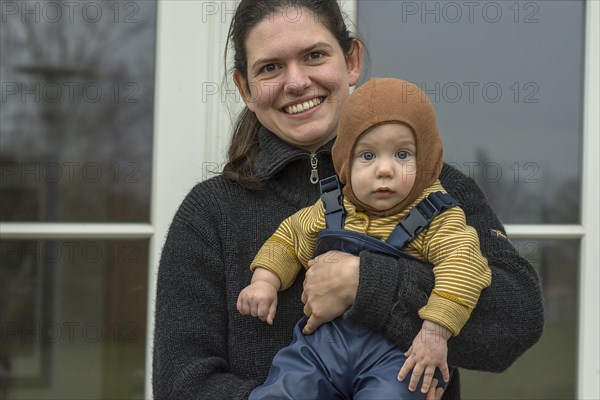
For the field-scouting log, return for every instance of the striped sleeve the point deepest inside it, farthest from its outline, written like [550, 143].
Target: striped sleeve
[461, 271]
[292, 245]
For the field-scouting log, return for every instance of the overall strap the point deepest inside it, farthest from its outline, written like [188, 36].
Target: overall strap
[419, 218]
[333, 202]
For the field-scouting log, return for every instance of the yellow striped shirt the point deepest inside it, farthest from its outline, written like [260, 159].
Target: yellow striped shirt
[452, 246]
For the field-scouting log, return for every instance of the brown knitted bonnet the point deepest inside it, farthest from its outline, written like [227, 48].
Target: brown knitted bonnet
[389, 100]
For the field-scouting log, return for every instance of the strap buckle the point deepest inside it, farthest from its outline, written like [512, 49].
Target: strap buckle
[414, 222]
[419, 217]
[333, 202]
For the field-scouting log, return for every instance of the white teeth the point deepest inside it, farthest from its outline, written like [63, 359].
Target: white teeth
[298, 108]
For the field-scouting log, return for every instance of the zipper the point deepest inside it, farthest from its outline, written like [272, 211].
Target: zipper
[314, 174]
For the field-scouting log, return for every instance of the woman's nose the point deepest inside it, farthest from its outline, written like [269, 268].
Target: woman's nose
[297, 80]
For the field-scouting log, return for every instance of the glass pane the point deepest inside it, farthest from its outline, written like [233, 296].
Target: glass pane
[506, 79]
[77, 107]
[548, 369]
[73, 316]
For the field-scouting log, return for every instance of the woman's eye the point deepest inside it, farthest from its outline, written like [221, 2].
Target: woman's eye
[367, 156]
[269, 68]
[402, 154]
[315, 55]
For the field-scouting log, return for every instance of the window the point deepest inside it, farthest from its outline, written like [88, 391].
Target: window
[89, 184]
[76, 134]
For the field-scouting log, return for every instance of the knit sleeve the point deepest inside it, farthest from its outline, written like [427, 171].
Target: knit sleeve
[190, 337]
[509, 315]
[292, 244]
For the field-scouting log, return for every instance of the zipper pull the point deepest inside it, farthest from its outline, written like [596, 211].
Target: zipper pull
[314, 174]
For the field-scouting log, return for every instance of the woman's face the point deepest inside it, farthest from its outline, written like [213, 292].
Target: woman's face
[298, 77]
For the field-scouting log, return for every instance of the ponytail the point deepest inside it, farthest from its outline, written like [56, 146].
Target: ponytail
[243, 149]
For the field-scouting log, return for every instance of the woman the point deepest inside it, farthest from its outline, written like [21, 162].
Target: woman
[294, 62]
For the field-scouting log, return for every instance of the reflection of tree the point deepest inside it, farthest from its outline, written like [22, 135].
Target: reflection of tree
[70, 130]
[561, 262]
[65, 58]
[521, 197]
[557, 262]
[18, 279]
[512, 201]
[566, 203]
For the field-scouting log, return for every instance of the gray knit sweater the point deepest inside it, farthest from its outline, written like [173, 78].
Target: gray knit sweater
[203, 347]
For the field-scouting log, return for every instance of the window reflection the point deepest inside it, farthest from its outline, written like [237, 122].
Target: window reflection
[73, 316]
[506, 80]
[76, 115]
[547, 370]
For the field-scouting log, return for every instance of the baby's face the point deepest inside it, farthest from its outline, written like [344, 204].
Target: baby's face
[384, 166]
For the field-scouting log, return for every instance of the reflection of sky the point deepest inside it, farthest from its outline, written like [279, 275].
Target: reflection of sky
[547, 55]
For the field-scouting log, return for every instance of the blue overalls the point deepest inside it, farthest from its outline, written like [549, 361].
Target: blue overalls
[344, 360]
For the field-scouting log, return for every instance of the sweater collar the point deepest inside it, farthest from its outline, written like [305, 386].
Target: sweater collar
[275, 154]
[287, 169]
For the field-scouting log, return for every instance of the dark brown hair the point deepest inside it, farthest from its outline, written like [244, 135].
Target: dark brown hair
[244, 147]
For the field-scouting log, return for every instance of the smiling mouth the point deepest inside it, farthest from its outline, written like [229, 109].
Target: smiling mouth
[307, 105]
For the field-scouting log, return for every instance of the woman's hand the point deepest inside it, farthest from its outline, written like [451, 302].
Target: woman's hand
[330, 287]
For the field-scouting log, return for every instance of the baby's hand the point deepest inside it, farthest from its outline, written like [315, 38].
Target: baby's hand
[429, 351]
[258, 299]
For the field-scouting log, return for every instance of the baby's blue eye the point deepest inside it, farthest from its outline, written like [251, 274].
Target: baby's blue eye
[402, 154]
[367, 155]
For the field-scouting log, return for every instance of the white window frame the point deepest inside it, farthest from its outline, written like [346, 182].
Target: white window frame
[190, 136]
[588, 373]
